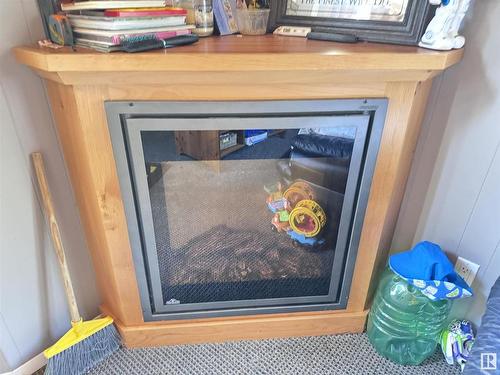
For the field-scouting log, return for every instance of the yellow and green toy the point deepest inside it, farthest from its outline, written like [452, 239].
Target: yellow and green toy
[297, 192]
[297, 213]
[307, 218]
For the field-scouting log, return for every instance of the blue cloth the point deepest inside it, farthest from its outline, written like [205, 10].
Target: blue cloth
[428, 268]
[485, 350]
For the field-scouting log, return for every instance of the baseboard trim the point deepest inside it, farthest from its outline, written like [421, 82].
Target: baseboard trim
[253, 327]
[30, 366]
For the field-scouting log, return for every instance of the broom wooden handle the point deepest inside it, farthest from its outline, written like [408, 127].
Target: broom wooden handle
[55, 234]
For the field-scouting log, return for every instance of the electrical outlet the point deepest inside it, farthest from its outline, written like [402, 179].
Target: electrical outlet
[466, 269]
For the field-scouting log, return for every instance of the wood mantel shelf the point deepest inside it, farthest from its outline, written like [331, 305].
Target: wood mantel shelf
[244, 53]
[231, 68]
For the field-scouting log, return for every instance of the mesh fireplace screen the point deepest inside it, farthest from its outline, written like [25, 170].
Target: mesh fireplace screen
[213, 230]
[233, 214]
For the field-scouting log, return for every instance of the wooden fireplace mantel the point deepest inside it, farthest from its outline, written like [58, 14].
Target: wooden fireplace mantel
[241, 59]
[231, 68]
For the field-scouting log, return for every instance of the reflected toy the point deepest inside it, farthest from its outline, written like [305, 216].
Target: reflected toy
[297, 192]
[300, 239]
[297, 214]
[442, 31]
[275, 201]
[307, 218]
[278, 224]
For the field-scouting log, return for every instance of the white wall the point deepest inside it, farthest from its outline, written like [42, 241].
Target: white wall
[453, 194]
[33, 310]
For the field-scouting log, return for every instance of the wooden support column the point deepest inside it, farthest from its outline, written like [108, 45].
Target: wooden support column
[83, 133]
[407, 102]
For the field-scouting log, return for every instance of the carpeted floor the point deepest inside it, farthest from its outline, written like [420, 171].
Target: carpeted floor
[341, 354]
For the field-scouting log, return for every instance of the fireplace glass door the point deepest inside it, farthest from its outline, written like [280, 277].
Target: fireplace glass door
[242, 213]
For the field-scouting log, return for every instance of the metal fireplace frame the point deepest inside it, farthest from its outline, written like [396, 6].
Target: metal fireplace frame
[126, 120]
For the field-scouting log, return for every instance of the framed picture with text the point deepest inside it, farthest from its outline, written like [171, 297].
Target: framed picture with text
[385, 21]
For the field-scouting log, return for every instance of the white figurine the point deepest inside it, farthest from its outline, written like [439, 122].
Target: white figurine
[442, 31]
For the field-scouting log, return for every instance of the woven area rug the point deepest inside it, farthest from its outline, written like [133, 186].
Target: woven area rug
[340, 354]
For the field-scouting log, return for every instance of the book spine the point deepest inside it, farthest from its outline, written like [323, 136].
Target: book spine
[116, 24]
[118, 39]
[105, 4]
[98, 38]
[142, 13]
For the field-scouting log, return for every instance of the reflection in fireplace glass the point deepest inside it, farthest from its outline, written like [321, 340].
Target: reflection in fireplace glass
[246, 214]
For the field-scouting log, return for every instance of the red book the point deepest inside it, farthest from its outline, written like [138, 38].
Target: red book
[144, 12]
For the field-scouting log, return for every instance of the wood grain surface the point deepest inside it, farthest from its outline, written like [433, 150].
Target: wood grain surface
[48, 206]
[231, 68]
[234, 53]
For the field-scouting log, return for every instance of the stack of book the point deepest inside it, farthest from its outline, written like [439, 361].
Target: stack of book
[104, 25]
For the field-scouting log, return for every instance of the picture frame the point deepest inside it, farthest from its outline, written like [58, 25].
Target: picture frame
[46, 9]
[365, 19]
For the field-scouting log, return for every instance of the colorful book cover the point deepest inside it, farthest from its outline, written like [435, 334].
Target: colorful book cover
[224, 13]
[115, 37]
[159, 35]
[112, 4]
[48, 8]
[144, 12]
[118, 23]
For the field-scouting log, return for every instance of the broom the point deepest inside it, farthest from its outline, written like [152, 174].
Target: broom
[86, 343]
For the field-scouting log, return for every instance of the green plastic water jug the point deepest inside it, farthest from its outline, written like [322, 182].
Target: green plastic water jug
[403, 324]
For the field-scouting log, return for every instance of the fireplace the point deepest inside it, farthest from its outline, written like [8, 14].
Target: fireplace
[130, 124]
[237, 208]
